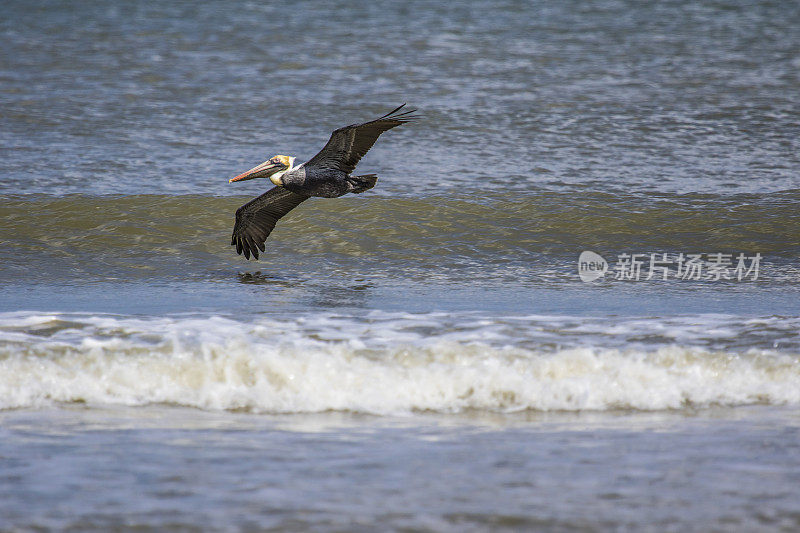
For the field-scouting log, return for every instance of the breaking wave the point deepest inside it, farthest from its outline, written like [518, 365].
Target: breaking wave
[384, 363]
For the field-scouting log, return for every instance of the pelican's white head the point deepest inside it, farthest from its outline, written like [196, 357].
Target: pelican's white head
[273, 168]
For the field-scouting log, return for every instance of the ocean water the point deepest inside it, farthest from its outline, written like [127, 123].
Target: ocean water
[424, 356]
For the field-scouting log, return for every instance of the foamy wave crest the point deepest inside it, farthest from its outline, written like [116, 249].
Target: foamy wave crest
[383, 368]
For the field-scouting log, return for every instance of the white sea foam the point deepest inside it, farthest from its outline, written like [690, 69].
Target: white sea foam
[385, 363]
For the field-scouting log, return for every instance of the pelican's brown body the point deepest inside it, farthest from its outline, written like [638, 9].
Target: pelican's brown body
[324, 182]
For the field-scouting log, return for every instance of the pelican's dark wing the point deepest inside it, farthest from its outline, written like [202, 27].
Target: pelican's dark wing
[256, 219]
[348, 145]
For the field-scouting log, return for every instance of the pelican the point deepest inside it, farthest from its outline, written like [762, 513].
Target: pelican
[327, 174]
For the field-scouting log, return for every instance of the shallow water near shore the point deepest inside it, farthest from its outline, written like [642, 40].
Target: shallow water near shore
[424, 356]
[200, 470]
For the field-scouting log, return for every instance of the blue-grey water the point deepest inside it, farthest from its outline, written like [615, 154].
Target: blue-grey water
[424, 356]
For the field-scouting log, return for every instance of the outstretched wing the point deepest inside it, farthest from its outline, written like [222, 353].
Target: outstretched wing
[348, 145]
[256, 219]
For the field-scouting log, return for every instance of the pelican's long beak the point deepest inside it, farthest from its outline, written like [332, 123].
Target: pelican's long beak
[264, 170]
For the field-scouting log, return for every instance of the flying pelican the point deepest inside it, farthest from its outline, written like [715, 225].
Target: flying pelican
[327, 174]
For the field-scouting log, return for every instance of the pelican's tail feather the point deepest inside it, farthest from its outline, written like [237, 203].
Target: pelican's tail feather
[363, 183]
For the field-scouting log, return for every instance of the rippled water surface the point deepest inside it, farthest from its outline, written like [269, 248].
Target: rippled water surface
[424, 355]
